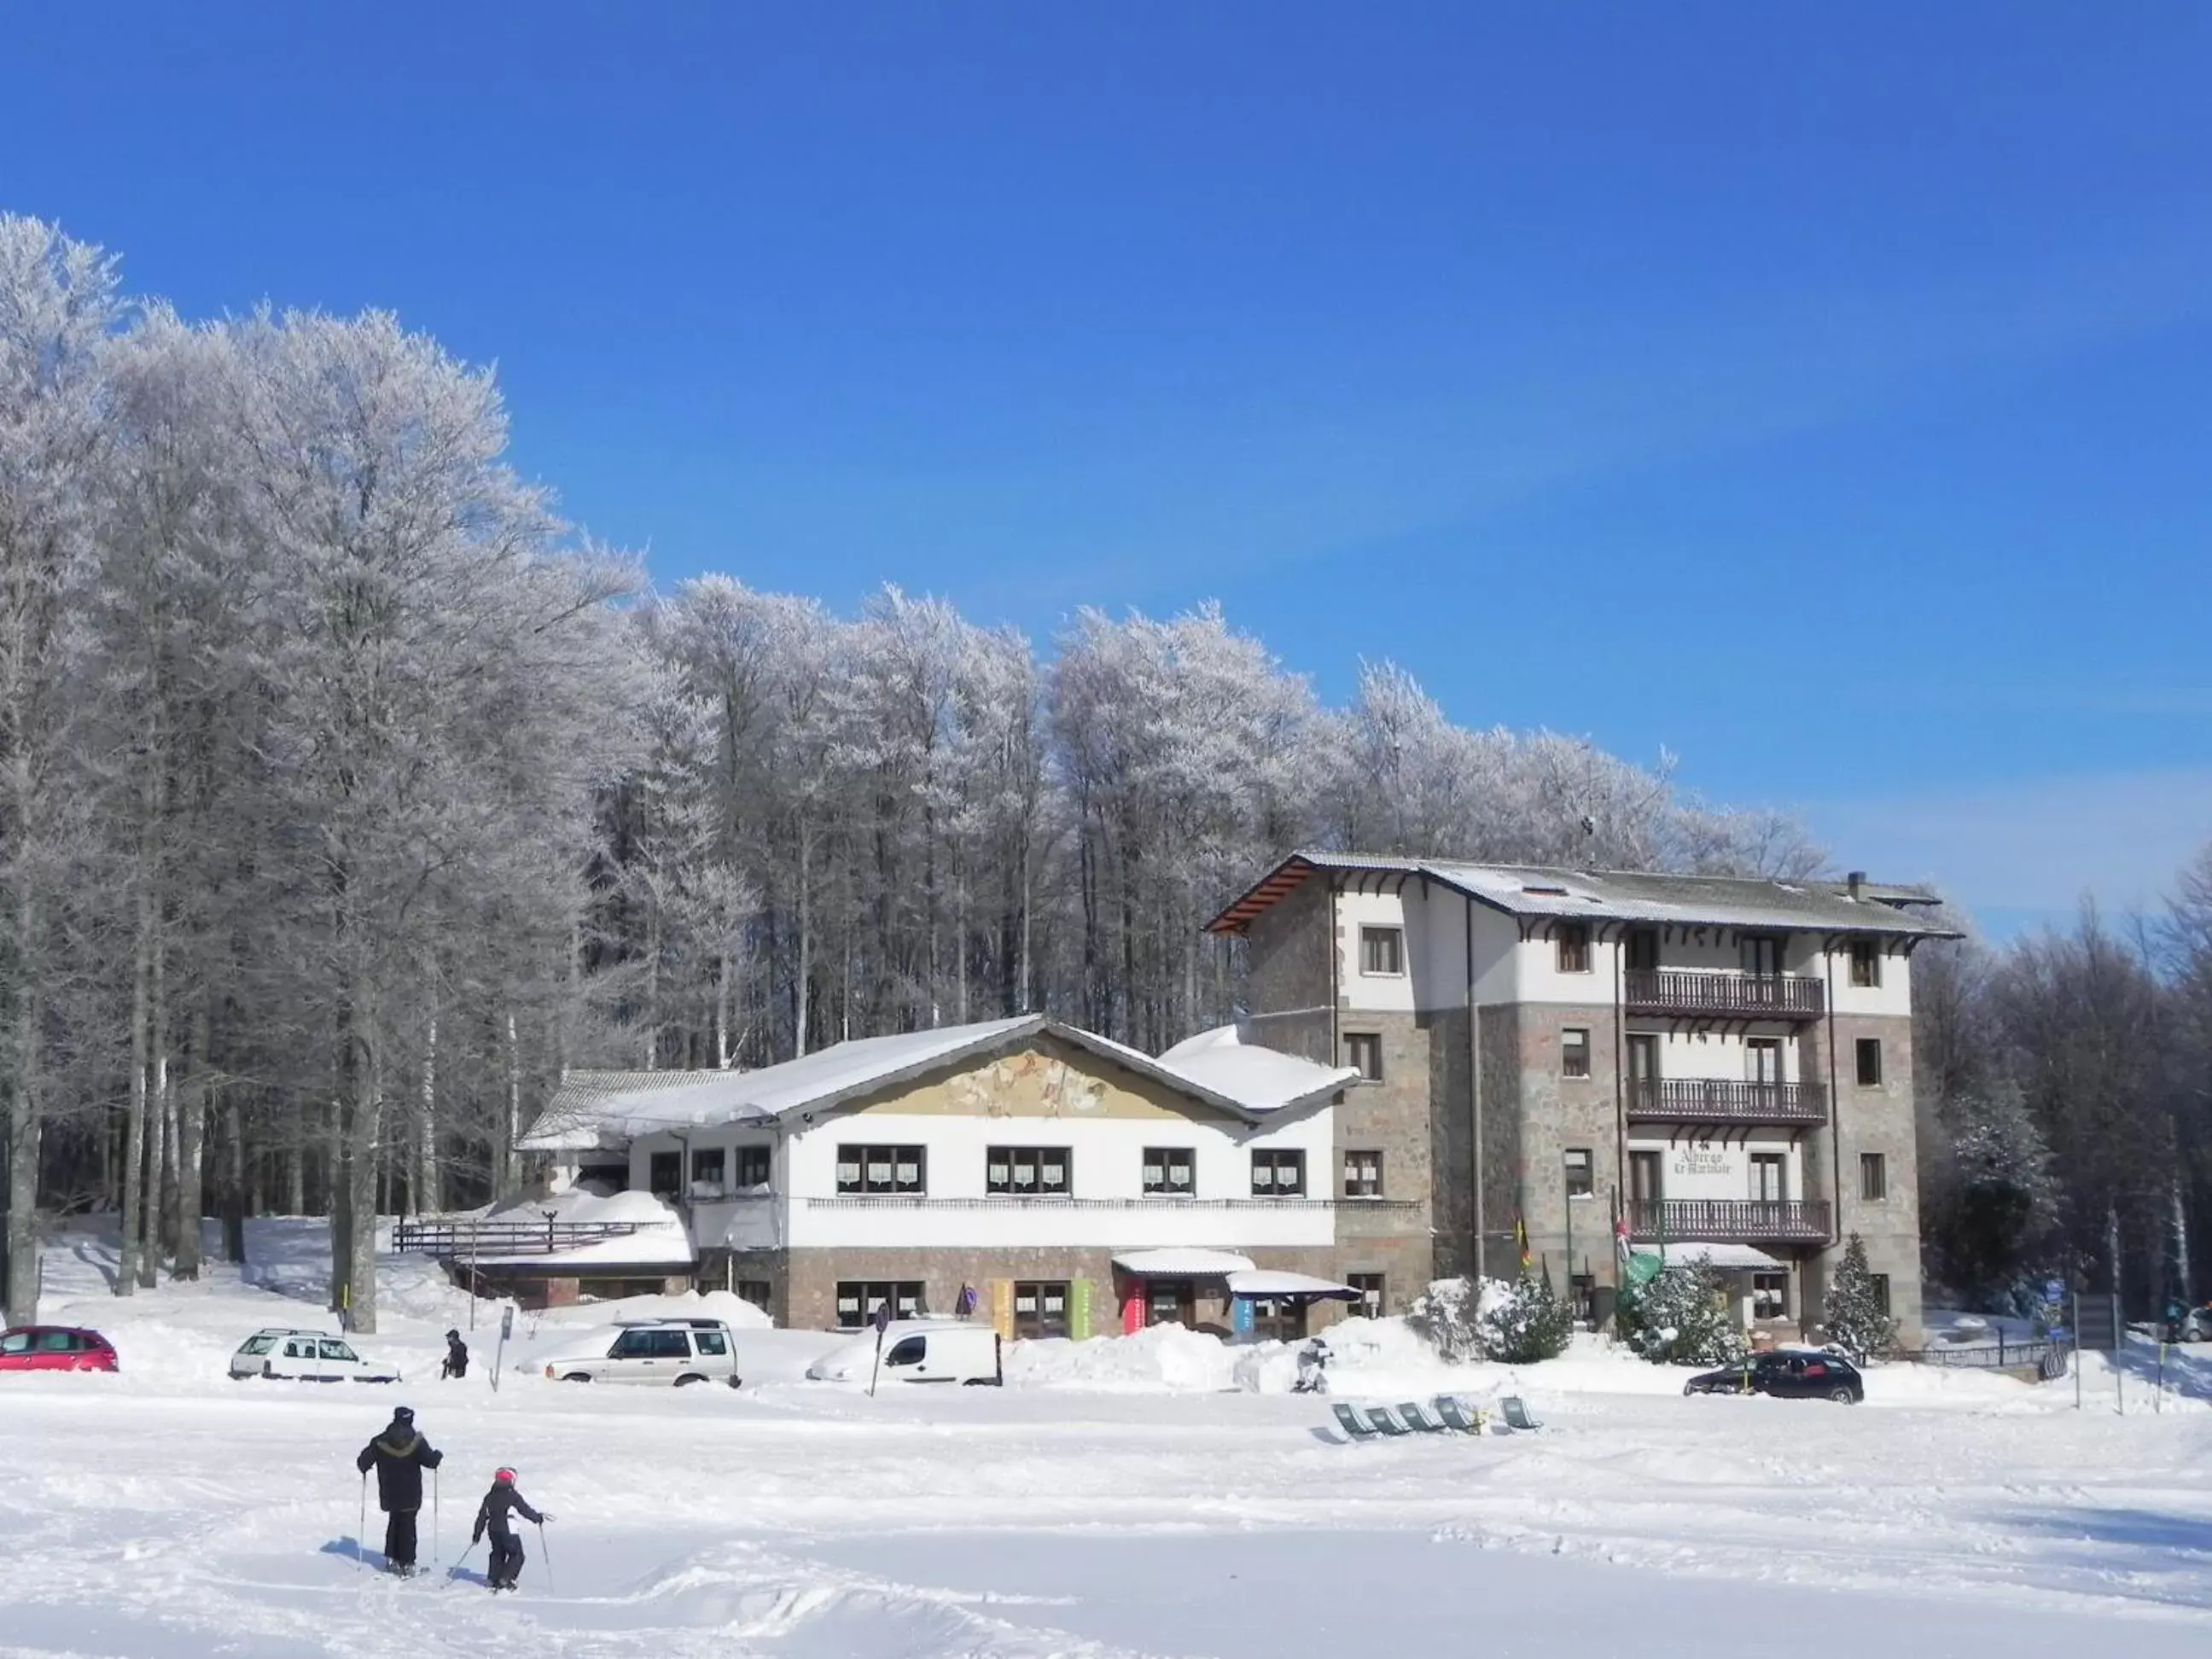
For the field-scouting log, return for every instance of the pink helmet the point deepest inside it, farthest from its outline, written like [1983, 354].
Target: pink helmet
[504, 1476]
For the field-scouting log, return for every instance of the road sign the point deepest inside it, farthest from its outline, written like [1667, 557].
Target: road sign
[2054, 1291]
[2097, 1323]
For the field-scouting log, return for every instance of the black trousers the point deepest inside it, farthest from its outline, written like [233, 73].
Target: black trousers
[399, 1537]
[506, 1559]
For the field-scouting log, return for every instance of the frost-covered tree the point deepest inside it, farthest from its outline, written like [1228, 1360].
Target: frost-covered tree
[1991, 1199]
[1853, 1312]
[1526, 1323]
[1682, 1316]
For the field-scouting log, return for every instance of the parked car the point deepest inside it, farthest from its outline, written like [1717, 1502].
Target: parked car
[1790, 1374]
[916, 1351]
[674, 1352]
[55, 1348]
[306, 1357]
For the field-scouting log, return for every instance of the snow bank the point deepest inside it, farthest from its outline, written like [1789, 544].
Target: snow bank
[734, 1311]
[1167, 1358]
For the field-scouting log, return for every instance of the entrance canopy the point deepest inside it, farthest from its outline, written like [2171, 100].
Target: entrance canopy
[1300, 1287]
[1729, 1258]
[1182, 1263]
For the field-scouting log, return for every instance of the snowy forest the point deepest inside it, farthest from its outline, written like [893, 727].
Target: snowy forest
[348, 796]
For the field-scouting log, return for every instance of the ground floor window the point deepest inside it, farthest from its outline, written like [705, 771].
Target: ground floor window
[858, 1298]
[1369, 1286]
[1582, 1298]
[757, 1292]
[1881, 1291]
[665, 1174]
[1769, 1296]
[1278, 1319]
[1040, 1308]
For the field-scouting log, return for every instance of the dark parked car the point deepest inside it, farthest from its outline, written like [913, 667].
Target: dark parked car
[1794, 1374]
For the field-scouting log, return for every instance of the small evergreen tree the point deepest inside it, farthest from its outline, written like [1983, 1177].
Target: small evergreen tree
[1854, 1315]
[1446, 1315]
[1682, 1317]
[1527, 1324]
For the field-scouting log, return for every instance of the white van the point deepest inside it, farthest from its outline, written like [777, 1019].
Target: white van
[917, 1351]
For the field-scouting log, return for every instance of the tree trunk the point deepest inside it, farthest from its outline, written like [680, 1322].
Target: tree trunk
[157, 1106]
[296, 1177]
[134, 1120]
[191, 1145]
[20, 1293]
[236, 1197]
[364, 1116]
[338, 1198]
[805, 941]
[510, 1170]
[425, 1184]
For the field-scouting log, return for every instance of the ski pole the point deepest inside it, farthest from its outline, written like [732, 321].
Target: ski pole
[433, 1515]
[360, 1527]
[548, 1555]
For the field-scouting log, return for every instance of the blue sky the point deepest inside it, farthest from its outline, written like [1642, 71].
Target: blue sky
[1819, 394]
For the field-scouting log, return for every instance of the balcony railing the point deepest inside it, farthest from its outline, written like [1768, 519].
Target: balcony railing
[1747, 1220]
[1702, 1100]
[458, 1239]
[1722, 995]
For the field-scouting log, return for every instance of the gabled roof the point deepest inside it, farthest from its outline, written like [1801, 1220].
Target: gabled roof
[1540, 892]
[590, 1112]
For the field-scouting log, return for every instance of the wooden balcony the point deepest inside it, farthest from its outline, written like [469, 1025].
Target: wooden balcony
[1682, 993]
[1731, 1220]
[460, 1240]
[1702, 1100]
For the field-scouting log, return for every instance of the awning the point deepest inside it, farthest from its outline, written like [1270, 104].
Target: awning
[1731, 1258]
[1183, 1264]
[1302, 1287]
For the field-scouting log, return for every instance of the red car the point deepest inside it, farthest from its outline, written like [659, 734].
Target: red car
[54, 1348]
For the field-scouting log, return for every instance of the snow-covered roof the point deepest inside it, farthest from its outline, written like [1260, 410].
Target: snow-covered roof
[1733, 1257]
[1262, 1281]
[1264, 1079]
[1184, 1262]
[661, 1239]
[1244, 1081]
[1535, 890]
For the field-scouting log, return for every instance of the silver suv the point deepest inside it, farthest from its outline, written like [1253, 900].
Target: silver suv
[669, 1352]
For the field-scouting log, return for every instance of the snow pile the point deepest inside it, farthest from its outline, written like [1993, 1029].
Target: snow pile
[1166, 1359]
[734, 1311]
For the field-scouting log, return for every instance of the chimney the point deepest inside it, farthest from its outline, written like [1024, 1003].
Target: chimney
[1856, 882]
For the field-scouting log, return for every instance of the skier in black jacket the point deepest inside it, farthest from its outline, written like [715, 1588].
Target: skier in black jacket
[400, 1455]
[457, 1356]
[492, 1516]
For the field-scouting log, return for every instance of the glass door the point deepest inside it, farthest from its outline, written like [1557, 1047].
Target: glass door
[1643, 1069]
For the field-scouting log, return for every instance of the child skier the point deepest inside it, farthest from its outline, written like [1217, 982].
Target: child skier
[457, 1357]
[492, 1516]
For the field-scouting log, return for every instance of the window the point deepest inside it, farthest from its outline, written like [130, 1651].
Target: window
[1171, 1171]
[880, 1169]
[337, 1351]
[20, 1342]
[1363, 1052]
[1574, 1051]
[665, 1174]
[757, 1292]
[1880, 1283]
[707, 1166]
[1769, 1296]
[1866, 962]
[650, 1345]
[712, 1342]
[1027, 1171]
[1762, 955]
[1579, 1183]
[1642, 950]
[1762, 1060]
[1040, 1309]
[1769, 1173]
[1279, 1174]
[752, 1167]
[1582, 1298]
[1362, 1174]
[1370, 1289]
[260, 1344]
[1572, 942]
[1278, 1319]
[1869, 1050]
[1873, 1177]
[858, 1300]
[1170, 1302]
[907, 1351]
[1381, 951]
[1644, 1177]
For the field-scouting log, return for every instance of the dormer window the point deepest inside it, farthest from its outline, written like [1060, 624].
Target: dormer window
[1866, 964]
[1572, 942]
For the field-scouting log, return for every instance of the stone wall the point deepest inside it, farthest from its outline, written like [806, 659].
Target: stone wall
[1556, 1112]
[1882, 1120]
[1290, 985]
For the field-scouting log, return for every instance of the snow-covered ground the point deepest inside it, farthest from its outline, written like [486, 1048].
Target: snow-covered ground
[1152, 1496]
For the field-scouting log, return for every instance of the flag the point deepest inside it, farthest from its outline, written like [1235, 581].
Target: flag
[1620, 1238]
[1521, 1237]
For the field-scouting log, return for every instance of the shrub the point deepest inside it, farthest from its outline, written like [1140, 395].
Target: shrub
[1681, 1316]
[1448, 1315]
[1526, 1323]
[1854, 1316]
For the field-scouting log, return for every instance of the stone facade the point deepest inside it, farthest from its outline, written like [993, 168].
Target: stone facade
[1290, 989]
[1879, 1120]
[1553, 1113]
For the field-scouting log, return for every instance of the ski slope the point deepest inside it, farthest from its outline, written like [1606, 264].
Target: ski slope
[1118, 1498]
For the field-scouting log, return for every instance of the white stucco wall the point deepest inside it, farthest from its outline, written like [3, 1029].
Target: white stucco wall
[1384, 993]
[1720, 1169]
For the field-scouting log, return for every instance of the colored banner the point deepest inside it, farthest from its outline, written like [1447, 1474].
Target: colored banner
[1002, 1308]
[1132, 1308]
[1240, 1315]
[1078, 1309]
